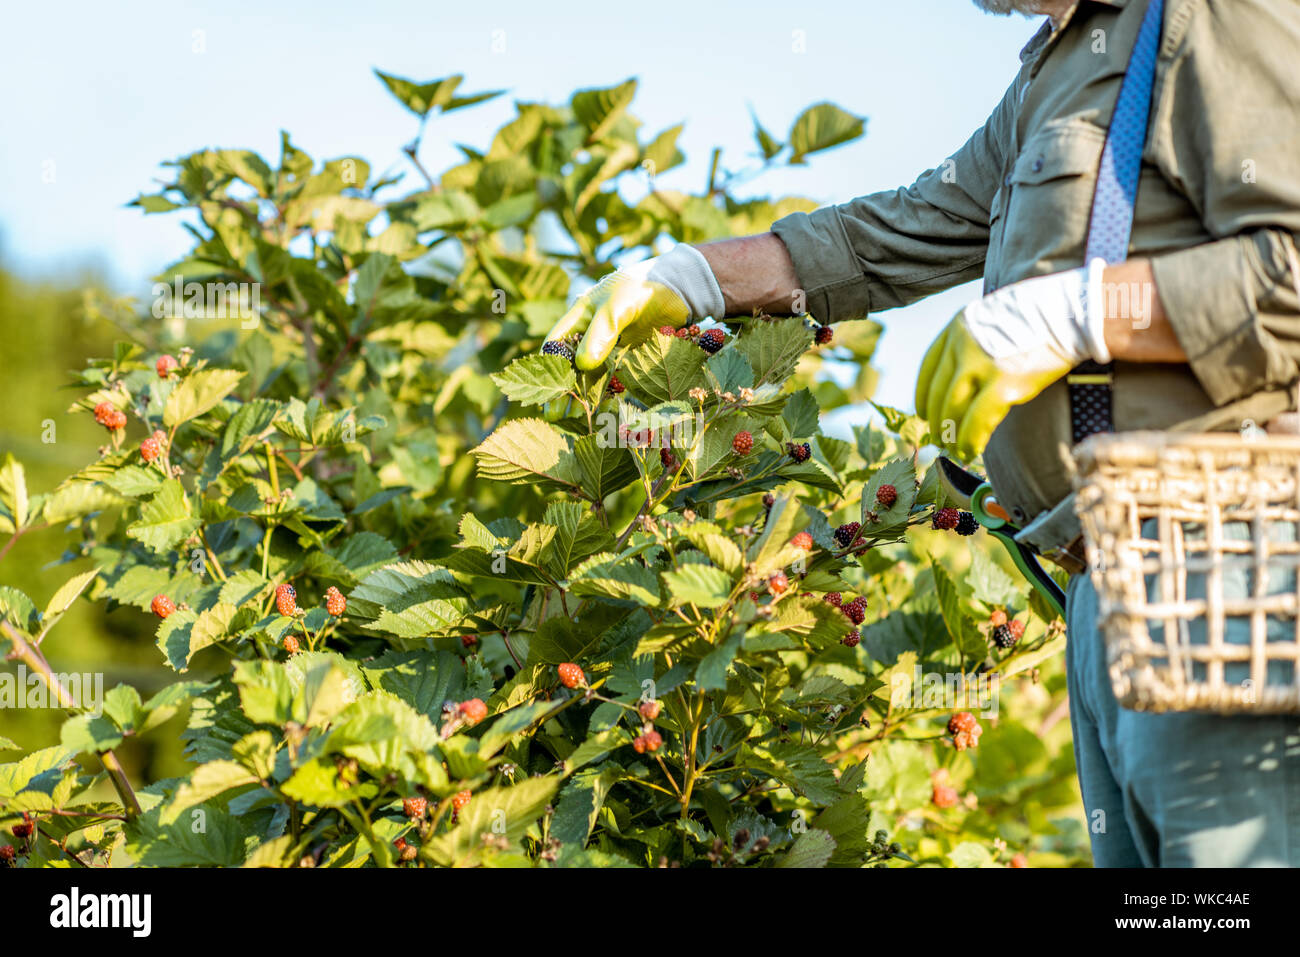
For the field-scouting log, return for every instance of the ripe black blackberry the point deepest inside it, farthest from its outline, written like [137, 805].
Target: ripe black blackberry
[846, 533]
[712, 340]
[966, 524]
[555, 347]
[800, 451]
[1004, 637]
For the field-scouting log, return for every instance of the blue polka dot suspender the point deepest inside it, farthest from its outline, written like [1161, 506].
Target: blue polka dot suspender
[1111, 223]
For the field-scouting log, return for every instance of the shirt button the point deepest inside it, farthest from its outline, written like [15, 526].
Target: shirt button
[1007, 181]
[1038, 165]
[1018, 514]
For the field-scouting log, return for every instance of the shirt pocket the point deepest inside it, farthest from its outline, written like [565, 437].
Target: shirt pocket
[1048, 199]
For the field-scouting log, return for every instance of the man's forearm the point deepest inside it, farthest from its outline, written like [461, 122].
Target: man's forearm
[754, 272]
[1137, 327]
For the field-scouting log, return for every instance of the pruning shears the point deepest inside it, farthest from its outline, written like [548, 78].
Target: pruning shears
[975, 494]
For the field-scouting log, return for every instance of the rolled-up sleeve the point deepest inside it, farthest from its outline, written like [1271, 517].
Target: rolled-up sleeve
[892, 248]
[1229, 119]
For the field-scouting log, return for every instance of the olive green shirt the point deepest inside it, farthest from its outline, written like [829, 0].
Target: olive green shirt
[1218, 211]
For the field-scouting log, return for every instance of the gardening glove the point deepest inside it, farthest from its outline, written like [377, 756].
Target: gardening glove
[669, 290]
[1005, 349]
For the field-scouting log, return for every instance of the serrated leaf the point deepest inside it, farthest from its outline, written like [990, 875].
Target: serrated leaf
[604, 469]
[525, 451]
[959, 625]
[814, 848]
[696, 584]
[609, 576]
[197, 393]
[536, 379]
[662, 369]
[166, 519]
[989, 583]
[773, 348]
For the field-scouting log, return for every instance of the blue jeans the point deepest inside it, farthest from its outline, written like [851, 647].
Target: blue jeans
[1176, 790]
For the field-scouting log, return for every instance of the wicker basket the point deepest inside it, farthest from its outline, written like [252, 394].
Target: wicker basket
[1193, 549]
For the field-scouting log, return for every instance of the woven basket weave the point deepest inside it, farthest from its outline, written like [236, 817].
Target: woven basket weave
[1193, 548]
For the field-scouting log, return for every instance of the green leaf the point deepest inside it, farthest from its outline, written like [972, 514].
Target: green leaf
[199, 392]
[599, 109]
[609, 576]
[697, 584]
[970, 643]
[820, 127]
[496, 812]
[767, 144]
[422, 679]
[13, 495]
[64, 597]
[581, 801]
[901, 474]
[421, 98]
[578, 536]
[711, 673]
[814, 848]
[773, 348]
[536, 379]
[989, 583]
[19, 609]
[662, 369]
[798, 766]
[603, 469]
[166, 519]
[527, 451]
[206, 782]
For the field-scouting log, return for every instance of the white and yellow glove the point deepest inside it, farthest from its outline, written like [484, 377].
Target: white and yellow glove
[1005, 349]
[669, 290]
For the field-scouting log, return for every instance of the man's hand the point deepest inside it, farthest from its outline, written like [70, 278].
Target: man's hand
[1007, 348]
[668, 290]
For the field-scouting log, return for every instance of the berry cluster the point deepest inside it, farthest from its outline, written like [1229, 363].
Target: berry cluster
[886, 496]
[965, 730]
[743, 443]
[713, 340]
[650, 741]
[966, 524]
[852, 638]
[165, 365]
[472, 711]
[615, 386]
[162, 606]
[777, 583]
[823, 335]
[290, 643]
[150, 449]
[803, 541]
[110, 416]
[799, 451]
[414, 807]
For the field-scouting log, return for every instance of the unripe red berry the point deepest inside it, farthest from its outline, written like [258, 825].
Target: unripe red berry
[1017, 628]
[998, 618]
[335, 603]
[743, 443]
[25, 828]
[652, 741]
[667, 458]
[286, 600]
[666, 330]
[802, 540]
[832, 598]
[1018, 861]
[103, 411]
[165, 365]
[638, 744]
[150, 450]
[777, 583]
[852, 638]
[290, 643]
[461, 799]
[944, 796]
[473, 710]
[570, 675]
[886, 495]
[650, 709]
[7, 853]
[615, 386]
[414, 807]
[162, 606]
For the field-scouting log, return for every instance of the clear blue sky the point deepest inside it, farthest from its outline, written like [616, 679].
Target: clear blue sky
[103, 92]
